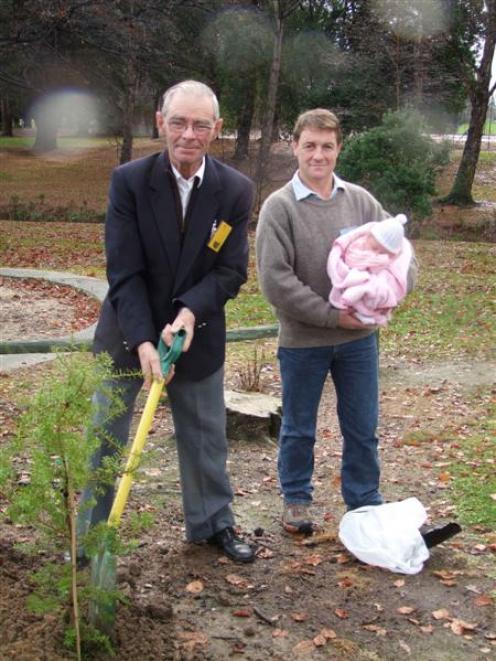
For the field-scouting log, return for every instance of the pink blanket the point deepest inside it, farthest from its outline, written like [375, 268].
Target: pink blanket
[370, 289]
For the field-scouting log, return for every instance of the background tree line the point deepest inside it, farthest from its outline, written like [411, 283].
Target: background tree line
[266, 59]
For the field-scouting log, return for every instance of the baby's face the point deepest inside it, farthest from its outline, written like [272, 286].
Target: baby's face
[370, 243]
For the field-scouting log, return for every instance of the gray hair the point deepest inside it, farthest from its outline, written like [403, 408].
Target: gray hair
[193, 88]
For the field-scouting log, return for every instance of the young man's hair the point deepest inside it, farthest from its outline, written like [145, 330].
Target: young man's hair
[317, 119]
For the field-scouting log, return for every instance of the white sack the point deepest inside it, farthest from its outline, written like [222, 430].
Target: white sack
[387, 535]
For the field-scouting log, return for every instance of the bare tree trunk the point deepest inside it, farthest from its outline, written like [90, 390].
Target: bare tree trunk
[126, 152]
[245, 118]
[461, 191]
[6, 110]
[480, 93]
[397, 74]
[157, 99]
[275, 69]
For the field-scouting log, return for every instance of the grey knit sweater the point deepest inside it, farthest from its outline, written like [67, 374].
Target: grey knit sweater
[293, 243]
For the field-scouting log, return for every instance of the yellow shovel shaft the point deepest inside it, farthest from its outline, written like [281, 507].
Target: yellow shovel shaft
[133, 460]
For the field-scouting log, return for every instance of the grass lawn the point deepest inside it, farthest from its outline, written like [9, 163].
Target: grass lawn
[451, 316]
[489, 128]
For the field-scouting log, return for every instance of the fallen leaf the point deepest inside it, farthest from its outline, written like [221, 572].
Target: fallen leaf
[280, 633]
[319, 538]
[405, 610]
[478, 549]
[304, 647]
[405, 647]
[192, 639]
[330, 634]
[428, 628]
[195, 587]
[460, 627]
[237, 581]
[243, 612]
[341, 613]
[399, 583]
[345, 582]
[483, 600]
[319, 640]
[343, 558]
[265, 553]
[441, 614]
[299, 616]
[375, 628]
[314, 559]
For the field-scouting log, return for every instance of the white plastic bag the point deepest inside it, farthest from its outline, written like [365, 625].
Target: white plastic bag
[387, 535]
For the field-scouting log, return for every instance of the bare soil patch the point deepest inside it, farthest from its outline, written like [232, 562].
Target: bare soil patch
[303, 597]
[34, 309]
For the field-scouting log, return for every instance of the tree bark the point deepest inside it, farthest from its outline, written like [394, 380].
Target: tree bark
[275, 69]
[6, 111]
[480, 94]
[461, 191]
[126, 152]
[128, 108]
[245, 118]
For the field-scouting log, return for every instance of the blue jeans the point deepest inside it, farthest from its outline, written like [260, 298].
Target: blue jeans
[354, 370]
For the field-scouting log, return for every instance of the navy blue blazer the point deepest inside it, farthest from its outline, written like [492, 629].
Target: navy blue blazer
[151, 277]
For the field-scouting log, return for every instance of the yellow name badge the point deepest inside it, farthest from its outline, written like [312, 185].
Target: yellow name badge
[219, 237]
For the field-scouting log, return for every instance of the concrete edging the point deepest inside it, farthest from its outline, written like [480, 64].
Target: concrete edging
[81, 340]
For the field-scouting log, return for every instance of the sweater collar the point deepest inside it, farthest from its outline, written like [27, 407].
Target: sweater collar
[302, 191]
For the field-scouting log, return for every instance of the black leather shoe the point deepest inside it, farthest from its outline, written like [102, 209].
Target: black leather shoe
[234, 547]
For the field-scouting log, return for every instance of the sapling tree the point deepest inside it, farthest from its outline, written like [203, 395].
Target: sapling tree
[52, 450]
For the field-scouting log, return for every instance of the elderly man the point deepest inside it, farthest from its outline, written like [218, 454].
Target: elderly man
[177, 251]
[296, 229]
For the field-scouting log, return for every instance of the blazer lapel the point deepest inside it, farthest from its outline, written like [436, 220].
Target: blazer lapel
[200, 222]
[163, 204]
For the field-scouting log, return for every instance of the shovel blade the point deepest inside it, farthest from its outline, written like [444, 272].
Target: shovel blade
[103, 602]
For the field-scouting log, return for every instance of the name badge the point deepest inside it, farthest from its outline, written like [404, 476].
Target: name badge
[219, 236]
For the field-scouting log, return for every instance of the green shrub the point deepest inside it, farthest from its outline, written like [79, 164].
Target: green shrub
[397, 162]
[44, 466]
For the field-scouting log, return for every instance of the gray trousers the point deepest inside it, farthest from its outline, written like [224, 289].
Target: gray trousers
[199, 417]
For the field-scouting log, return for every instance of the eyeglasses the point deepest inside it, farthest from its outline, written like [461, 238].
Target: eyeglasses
[180, 125]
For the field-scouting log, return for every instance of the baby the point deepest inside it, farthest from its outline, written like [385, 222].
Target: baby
[368, 268]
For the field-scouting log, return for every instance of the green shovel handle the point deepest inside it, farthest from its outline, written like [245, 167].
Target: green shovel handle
[169, 355]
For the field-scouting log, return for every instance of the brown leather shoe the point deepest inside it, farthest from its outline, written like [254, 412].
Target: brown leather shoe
[297, 519]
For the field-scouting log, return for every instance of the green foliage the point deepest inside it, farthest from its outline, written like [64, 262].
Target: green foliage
[52, 588]
[52, 449]
[396, 162]
[52, 439]
[39, 210]
[140, 522]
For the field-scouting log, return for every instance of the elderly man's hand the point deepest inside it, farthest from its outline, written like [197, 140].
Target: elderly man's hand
[150, 363]
[348, 321]
[185, 319]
